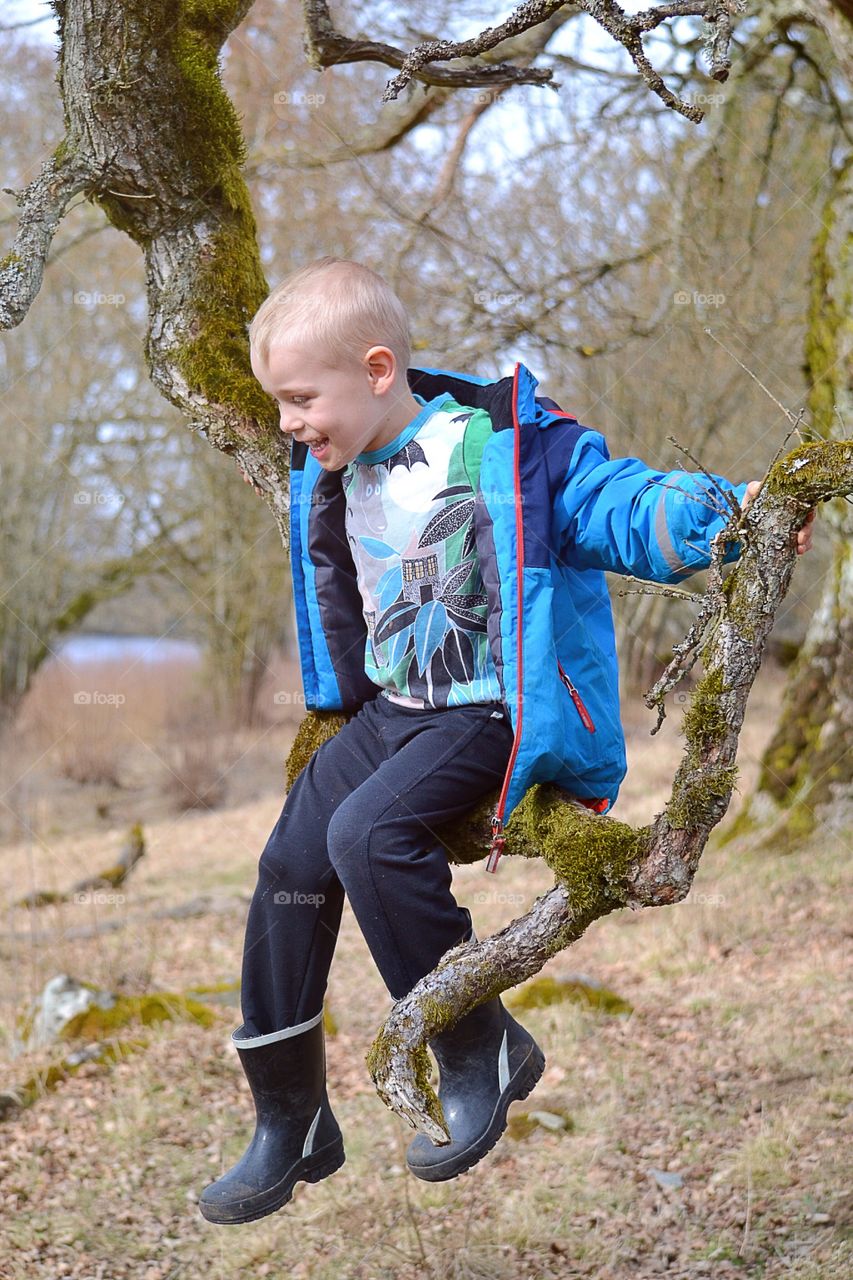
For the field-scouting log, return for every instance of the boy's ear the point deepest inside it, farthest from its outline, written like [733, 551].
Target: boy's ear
[381, 367]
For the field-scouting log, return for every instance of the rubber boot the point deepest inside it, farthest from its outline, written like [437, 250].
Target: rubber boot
[485, 1062]
[297, 1138]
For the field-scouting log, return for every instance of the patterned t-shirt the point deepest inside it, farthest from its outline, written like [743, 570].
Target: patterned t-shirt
[409, 508]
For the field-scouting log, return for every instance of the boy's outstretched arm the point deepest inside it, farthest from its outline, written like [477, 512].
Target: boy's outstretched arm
[623, 516]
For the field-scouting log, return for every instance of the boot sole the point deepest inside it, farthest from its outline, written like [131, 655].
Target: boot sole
[524, 1082]
[313, 1169]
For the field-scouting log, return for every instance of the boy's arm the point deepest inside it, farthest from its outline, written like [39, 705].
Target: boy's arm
[623, 516]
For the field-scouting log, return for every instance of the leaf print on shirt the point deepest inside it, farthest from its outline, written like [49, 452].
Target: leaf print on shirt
[378, 550]
[429, 632]
[447, 522]
[402, 614]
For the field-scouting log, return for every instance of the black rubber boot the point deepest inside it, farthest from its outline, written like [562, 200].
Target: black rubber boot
[297, 1138]
[485, 1062]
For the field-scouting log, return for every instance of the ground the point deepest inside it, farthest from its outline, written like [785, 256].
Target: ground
[731, 1072]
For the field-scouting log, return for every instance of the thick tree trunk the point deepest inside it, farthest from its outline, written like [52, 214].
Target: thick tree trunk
[807, 770]
[164, 163]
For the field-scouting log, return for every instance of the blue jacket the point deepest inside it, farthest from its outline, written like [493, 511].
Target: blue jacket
[552, 513]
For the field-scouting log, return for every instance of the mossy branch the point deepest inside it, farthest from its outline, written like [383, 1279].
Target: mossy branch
[601, 864]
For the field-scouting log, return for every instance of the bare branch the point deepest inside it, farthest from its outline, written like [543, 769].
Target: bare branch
[43, 203]
[395, 120]
[648, 589]
[327, 46]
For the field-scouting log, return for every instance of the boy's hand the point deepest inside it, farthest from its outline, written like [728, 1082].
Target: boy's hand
[804, 537]
[256, 487]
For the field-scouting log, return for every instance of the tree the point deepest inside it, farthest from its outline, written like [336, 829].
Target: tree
[807, 769]
[152, 138]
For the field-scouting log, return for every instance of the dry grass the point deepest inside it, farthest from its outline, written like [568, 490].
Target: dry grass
[731, 1072]
[106, 744]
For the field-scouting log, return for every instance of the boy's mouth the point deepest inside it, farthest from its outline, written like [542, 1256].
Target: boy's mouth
[319, 446]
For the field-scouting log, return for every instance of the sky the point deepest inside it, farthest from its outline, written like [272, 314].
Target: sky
[24, 10]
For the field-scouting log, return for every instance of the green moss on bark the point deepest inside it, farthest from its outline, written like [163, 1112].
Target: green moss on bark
[315, 728]
[704, 723]
[230, 285]
[542, 991]
[378, 1059]
[823, 464]
[214, 358]
[589, 854]
[697, 797]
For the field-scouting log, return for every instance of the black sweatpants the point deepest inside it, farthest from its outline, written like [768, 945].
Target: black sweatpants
[360, 819]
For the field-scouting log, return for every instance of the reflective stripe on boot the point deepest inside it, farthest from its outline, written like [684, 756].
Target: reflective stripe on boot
[487, 1061]
[296, 1139]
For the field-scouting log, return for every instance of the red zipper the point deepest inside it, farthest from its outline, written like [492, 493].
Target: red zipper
[498, 839]
[586, 718]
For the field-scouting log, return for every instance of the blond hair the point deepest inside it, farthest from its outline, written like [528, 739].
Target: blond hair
[336, 307]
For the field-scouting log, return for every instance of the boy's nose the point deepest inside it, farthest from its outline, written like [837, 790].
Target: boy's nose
[288, 422]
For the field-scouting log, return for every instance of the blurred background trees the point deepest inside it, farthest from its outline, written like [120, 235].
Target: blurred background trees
[590, 233]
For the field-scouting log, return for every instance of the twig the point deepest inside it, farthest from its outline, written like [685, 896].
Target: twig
[647, 590]
[729, 499]
[713, 606]
[327, 46]
[713, 506]
[787, 412]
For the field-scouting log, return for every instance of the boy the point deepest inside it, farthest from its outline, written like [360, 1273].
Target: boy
[448, 540]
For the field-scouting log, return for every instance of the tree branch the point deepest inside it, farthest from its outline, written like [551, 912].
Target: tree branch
[602, 864]
[327, 46]
[43, 203]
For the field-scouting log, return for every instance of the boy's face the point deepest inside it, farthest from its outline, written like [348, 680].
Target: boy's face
[337, 411]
